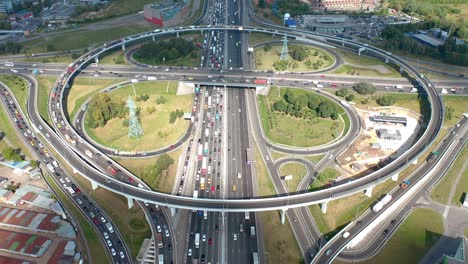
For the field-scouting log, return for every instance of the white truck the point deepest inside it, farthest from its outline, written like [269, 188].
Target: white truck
[161, 259]
[195, 194]
[399, 86]
[50, 167]
[109, 227]
[319, 86]
[380, 204]
[197, 237]
[252, 231]
[207, 132]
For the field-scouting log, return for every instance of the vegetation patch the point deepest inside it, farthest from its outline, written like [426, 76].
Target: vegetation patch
[265, 185]
[171, 52]
[296, 170]
[325, 178]
[45, 85]
[301, 58]
[299, 118]
[416, 235]
[462, 186]
[155, 119]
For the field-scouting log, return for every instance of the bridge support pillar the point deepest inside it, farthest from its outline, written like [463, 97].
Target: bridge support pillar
[94, 185]
[123, 46]
[173, 211]
[96, 59]
[401, 69]
[324, 207]
[177, 34]
[415, 162]
[75, 171]
[386, 60]
[369, 191]
[130, 202]
[283, 215]
[342, 43]
[154, 38]
[395, 176]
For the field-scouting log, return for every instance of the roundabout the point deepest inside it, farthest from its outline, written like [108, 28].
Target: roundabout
[341, 190]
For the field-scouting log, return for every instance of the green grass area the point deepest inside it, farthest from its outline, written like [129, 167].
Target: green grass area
[142, 168]
[296, 170]
[315, 158]
[120, 7]
[342, 211]
[158, 132]
[461, 186]
[18, 86]
[372, 70]
[82, 89]
[114, 58]
[3, 145]
[276, 155]
[459, 104]
[265, 185]
[82, 38]
[416, 235]
[265, 60]
[45, 85]
[90, 234]
[257, 38]
[292, 131]
[280, 244]
[187, 61]
[466, 232]
[67, 59]
[324, 177]
[440, 193]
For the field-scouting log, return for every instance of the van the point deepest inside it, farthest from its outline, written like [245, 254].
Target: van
[239, 175]
[241, 228]
[78, 200]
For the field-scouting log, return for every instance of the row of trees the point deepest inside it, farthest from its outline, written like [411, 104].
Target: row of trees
[174, 115]
[10, 48]
[162, 51]
[309, 105]
[103, 108]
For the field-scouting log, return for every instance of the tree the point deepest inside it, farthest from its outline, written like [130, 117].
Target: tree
[313, 101]
[299, 53]
[302, 101]
[364, 88]
[326, 109]
[343, 92]
[350, 97]
[161, 100]
[267, 48]
[280, 65]
[11, 154]
[280, 106]
[50, 47]
[34, 163]
[386, 100]
[449, 111]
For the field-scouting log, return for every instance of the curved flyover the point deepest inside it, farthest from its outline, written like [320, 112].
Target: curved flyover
[77, 160]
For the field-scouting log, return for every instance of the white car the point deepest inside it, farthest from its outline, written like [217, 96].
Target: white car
[189, 253]
[159, 228]
[103, 219]
[346, 234]
[109, 243]
[122, 255]
[235, 236]
[113, 252]
[166, 232]
[204, 238]
[106, 236]
[67, 179]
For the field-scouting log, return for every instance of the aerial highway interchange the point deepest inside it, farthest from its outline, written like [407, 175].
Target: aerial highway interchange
[216, 192]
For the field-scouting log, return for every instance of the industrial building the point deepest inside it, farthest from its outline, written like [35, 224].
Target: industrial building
[389, 134]
[389, 119]
[6, 6]
[332, 5]
[166, 13]
[327, 24]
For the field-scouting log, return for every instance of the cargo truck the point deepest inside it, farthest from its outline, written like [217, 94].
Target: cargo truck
[255, 258]
[195, 194]
[260, 81]
[433, 156]
[379, 205]
[207, 132]
[69, 139]
[399, 86]
[200, 151]
[197, 240]
[404, 184]
[202, 183]
[252, 231]
[203, 170]
[247, 216]
[209, 102]
[205, 149]
[161, 259]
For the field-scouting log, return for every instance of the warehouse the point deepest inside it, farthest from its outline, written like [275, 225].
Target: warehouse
[166, 13]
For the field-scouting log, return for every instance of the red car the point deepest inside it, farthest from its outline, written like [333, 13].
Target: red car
[171, 147]
[95, 220]
[77, 190]
[210, 241]
[131, 180]
[212, 189]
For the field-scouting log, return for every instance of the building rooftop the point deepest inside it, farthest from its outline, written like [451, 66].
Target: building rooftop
[429, 40]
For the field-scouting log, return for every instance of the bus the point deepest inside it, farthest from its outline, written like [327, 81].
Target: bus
[203, 170]
[161, 259]
[209, 102]
[195, 194]
[200, 151]
[248, 155]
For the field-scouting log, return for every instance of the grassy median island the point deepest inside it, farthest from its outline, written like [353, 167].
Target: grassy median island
[296, 170]
[154, 117]
[416, 235]
[304, 127]
[170, 52]
[301, 58]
